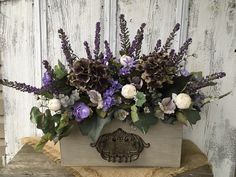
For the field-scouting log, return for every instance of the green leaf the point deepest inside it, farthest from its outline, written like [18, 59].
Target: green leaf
[134, 113]
[66, 131]
[192, 115]
[36, 115]
[181, 118]
[145, 121]
[47, 123]
[93, 126]
[64, 121]
[44, 139]
[60, 71]
[140, 99]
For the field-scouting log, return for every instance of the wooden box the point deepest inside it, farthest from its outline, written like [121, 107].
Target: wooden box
[164, 151]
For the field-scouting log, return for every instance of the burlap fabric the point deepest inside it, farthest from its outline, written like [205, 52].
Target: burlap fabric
[192, 158]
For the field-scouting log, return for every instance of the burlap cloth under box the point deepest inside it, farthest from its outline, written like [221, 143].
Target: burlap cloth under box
[192, 158]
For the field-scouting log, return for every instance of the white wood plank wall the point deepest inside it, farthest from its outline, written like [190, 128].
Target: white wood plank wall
[28, 34]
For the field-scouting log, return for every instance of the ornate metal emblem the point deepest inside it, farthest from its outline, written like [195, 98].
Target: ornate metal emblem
[120, 146]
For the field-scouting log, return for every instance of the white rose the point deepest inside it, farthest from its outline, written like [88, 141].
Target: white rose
[54, 104]
[182, 100]
[128, 91]
[124, 59]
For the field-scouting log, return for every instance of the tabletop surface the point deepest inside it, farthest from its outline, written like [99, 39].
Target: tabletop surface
[28, 163]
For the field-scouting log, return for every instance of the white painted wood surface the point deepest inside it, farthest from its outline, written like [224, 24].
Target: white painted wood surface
[18, 53]
[212, 25]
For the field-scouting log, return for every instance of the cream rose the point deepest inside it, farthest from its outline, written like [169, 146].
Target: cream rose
[128, 91]
[182, 100]
[54, 104]
[124, 59]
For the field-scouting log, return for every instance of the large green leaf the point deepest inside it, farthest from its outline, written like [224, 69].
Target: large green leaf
[145, 121]
[35, 115]
[93, 126]
[191, 115]
[64, 121]
[48, 123]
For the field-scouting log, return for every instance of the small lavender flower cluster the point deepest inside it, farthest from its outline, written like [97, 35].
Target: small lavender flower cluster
[108, 96]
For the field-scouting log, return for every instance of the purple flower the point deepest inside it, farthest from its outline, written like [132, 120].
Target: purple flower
[81, 111]
[116, 85]
[47, 78]
[108, 102]
[124, 71]
[109, 92]
[128, 63]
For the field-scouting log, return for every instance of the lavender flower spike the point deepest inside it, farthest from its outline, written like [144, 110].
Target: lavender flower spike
[87, 50]
[23, 87]
[66, 47]
[108, 53]
[97, 40]
[47, 78]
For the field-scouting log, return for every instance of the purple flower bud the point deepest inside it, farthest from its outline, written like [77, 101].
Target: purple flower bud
[47, 78]
[81, 111]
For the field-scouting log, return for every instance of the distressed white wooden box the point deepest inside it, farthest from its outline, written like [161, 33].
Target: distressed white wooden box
[164, 151]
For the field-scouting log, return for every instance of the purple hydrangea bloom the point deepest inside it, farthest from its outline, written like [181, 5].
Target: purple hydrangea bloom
[116, 85]
[81, 111]
[108, 98]
[47, 78]
[109, 92]
[108, 102]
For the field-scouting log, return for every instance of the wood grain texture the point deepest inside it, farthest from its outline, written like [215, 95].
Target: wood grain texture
[165, 149]
[28, 163]
[212, 25]
[78, 18]
[17, 55]
[159, 15]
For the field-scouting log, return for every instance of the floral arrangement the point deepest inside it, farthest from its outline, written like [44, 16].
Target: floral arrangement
[136, 89]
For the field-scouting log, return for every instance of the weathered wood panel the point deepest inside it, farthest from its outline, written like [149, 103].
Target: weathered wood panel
[78, 19]
[17, 55]
[28, 163]
[212, 25]
[159, 16]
